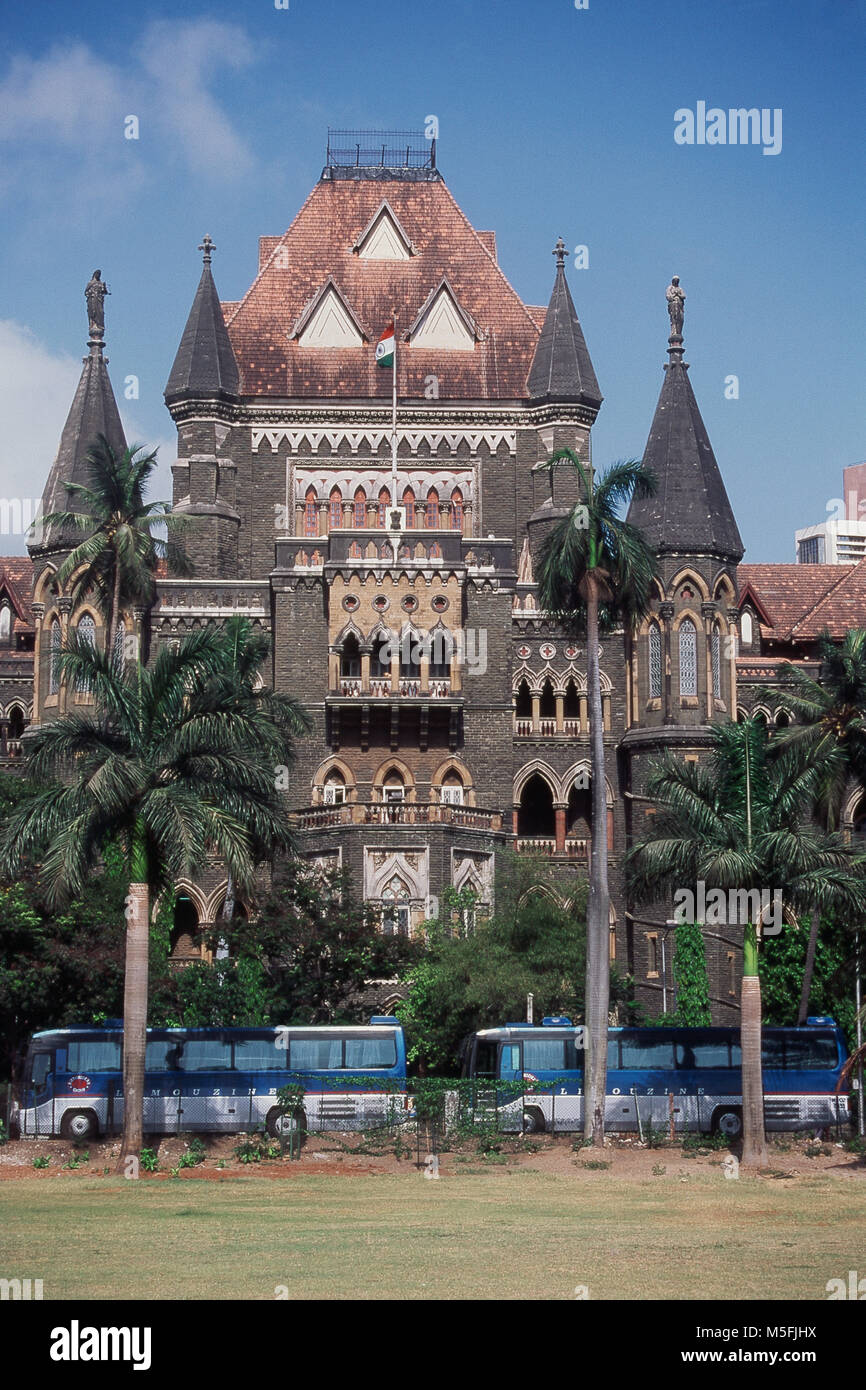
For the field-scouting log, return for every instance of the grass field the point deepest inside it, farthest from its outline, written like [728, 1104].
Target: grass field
[519, 1234]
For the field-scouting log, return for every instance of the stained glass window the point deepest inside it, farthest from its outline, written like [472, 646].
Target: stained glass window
[655, 663]
[688, 658]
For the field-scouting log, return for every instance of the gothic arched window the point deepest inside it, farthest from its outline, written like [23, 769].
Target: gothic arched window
[87, 633]
[655, 663]
[311, 514]
[5, 622]
[359, 517]
[336, 509]
[54, 643]
[716, 657]
[409, 504]
[432, 508]
[395, 908]
[457, 510]
[688, 658]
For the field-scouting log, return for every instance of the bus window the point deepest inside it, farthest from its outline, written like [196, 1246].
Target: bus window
[205, 1054]
[259, 1054]
[646, 1051]
[362, 1053]
[772, 1051]
[315, 1054]
[40, 1069]
[543, 1054]
[509, 1061]
[97, 1054]
[699, 1056]
[485, 1058]
[811, 1053]
[163, 1055]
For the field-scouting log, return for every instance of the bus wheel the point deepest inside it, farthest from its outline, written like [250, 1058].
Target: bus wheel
[533, 1121]
[79, 1126]
[280, 1125]
[729, 1123]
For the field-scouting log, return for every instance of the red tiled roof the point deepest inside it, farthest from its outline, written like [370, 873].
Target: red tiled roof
[803, 600]
[319, 243]
[16, 576]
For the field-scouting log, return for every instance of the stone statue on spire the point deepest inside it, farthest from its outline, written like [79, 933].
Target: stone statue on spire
[676, 298]
[560, 253]
[95, 293]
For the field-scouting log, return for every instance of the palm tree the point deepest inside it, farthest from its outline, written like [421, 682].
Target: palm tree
[595, 568]
[122, 542]
[830, 730]
[179, 760]
[743, 822]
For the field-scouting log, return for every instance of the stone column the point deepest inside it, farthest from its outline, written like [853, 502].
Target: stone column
[666, 613]
[38, 616]
[559, 812]
[64, 608]
[560, 713]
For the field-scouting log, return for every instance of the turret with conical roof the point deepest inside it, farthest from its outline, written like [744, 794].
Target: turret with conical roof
[205, 364]
[690, 512]
[93, 412]
[206, 370]
[561, 368]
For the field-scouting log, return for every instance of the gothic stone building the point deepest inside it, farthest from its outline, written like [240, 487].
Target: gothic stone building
[430, 758]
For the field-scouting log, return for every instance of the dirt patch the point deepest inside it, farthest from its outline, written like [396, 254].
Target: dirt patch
[352, 1155]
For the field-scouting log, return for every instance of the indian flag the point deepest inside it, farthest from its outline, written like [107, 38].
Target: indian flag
[385, 347]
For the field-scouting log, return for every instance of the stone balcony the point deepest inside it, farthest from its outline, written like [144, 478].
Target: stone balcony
[396, 813]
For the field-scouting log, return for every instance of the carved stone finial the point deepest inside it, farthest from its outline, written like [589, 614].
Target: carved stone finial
[676, 299]
[560, 253]
[207, 247]
[95, 292]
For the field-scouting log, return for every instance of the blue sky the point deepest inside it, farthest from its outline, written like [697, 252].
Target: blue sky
[552, 121]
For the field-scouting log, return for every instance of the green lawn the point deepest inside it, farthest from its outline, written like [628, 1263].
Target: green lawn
[498, 1235]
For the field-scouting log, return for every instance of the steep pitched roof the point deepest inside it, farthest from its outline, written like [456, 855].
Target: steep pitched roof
[16, 578]
[205, 362]
[803, 600]
[93, 412]
[690, 511]
[319, 244]
[561, 368]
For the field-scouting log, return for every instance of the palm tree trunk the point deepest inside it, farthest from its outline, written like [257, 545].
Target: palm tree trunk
[809, 967]
[114, 615]
[135, 1006]
[598, 906]
[754, 1137]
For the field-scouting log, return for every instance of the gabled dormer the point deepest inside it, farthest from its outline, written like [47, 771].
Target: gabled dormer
[383, 238]
[442, 324]
[328, 321]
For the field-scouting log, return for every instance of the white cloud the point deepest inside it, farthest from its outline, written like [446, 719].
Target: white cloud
[62, 115]
[36, 390]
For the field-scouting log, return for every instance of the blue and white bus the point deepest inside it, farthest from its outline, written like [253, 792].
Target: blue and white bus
[214, 1079]
[693, 1074]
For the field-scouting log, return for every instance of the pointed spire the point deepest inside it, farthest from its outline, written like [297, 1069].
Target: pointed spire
[690, 512]
[205, 364]
[93, 412]
[561, 368]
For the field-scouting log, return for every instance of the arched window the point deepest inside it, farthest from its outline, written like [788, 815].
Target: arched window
[393, 788]
[655, 663]
[334, 790]
[380, 658]
[117, 647]
[440, 654]
[716, 658]
[409, 504]
[384, 504]
[452, 790]
[350, 658]
[688, 658]
[547, 706]
[432, 508]
[359, 511]
[410, 656]
[523, 707]
[5, 622]
[746, 627]
[395, 908]
[54, 644]
[311, 514]
[87, 633]
[457, 510]
[336, 510]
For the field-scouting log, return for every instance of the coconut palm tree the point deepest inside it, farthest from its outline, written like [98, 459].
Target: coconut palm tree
[179, 760]
[122, 540]
[596, 569]
[831, 730]
[743, 822]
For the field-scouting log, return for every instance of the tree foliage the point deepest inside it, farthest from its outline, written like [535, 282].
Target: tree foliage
[690, 977]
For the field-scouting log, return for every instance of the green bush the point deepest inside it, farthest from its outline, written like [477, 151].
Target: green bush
[42, 1161]
[149, 1160]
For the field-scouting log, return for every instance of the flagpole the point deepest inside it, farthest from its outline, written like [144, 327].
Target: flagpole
[394, 501]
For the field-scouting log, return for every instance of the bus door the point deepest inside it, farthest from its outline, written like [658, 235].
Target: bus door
[38, 1094]
[509, 1098]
